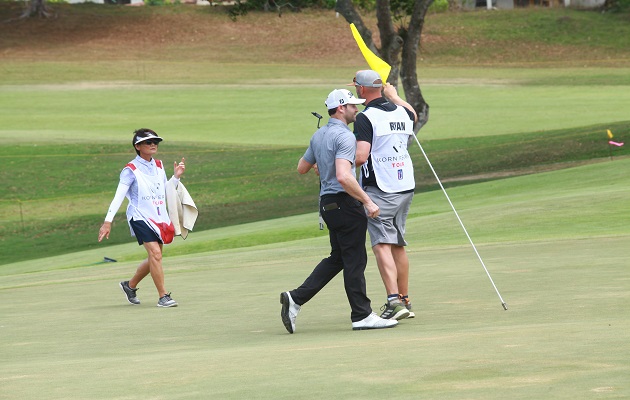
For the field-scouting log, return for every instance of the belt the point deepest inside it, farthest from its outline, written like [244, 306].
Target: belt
[334, 196]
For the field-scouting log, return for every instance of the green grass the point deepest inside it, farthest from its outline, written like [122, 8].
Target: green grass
[540, 26]
[533, 36]
[511, 93]
[553, 242]
[71, 114]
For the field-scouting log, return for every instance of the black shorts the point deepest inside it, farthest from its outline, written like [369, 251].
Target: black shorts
[143, 232]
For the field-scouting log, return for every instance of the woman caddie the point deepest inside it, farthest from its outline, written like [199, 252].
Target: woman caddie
[143, 182]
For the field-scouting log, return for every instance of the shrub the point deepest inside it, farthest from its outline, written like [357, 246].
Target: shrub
[617, 6]
[439, 6]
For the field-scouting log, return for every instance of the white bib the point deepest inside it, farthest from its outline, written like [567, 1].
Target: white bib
[152, 201]
[391, 162]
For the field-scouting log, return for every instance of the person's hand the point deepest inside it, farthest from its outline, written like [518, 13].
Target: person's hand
[371, 209]
[316, 169]
[179, 168]
[104, 231]
[389, 91]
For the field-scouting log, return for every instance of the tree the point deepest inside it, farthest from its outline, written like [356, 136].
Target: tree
[399, 43]
[37, 8]
[616, 6]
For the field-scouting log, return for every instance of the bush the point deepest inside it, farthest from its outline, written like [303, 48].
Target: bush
[617, 6]
[439, 6]
[367, 5]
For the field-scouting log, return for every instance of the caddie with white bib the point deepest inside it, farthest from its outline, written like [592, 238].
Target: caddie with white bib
[143, 182]
[383, 131]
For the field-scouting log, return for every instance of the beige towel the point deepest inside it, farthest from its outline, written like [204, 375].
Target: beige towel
[181, 209]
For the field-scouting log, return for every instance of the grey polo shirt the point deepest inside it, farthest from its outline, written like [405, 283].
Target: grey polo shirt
[332, 141]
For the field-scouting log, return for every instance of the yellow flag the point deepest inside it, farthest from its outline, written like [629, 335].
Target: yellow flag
[375, 63]
[610, 135]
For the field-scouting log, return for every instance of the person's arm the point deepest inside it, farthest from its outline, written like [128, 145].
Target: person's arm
[350, 185]
[391, 94]
[363, 133]
[304, 166]
[106, 228]
[363, 152]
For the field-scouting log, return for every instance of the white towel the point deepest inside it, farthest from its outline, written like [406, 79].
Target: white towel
[181, 208]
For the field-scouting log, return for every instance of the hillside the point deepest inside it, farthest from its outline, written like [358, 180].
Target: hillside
[90, 32]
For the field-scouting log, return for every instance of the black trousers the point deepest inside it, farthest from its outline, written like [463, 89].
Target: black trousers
[347, 224]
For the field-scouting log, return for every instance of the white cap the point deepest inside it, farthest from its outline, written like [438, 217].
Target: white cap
[341, 97]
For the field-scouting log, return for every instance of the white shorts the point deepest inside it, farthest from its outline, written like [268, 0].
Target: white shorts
[389, 226]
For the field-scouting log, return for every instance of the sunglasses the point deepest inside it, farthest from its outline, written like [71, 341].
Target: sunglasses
[155, 142]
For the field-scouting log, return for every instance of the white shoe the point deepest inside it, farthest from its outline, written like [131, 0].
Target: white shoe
[289, 312]
[373, 321]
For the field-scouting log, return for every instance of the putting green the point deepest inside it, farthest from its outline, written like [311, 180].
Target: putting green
[69, 333]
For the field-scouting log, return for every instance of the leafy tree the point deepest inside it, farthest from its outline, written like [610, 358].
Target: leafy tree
[400, 24]
[617, 6]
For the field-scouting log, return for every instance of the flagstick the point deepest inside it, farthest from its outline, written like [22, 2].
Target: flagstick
[460, 222]
[610, 151]
[610, 136]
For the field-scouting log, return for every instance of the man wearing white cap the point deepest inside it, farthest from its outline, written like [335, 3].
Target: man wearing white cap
[343, 206]
[383, 131]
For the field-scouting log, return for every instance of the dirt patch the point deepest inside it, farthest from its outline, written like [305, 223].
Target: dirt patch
[97, 32]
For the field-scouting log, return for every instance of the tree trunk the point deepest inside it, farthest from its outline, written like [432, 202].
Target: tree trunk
[399, 47]
[408, 72]
[346, 8]
[391, 43]
[38, 8]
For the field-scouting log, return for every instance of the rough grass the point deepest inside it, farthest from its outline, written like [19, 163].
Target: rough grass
[537, 37]
[41, 208]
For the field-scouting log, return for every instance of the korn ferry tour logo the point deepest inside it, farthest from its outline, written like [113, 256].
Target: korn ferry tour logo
[395, 161]
[157, 200]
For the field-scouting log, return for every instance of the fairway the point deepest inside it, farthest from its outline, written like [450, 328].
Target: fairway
[562, 272]
[214, 113]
